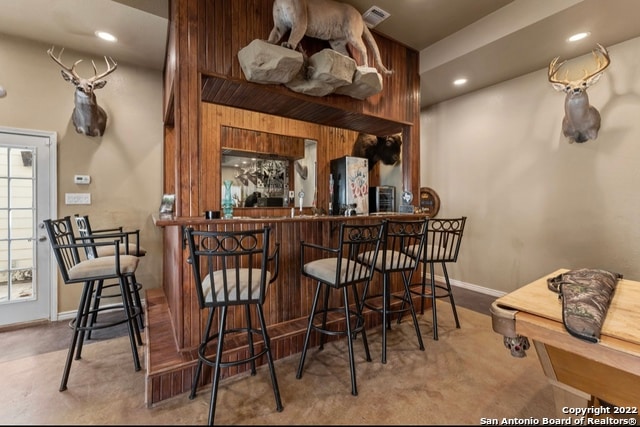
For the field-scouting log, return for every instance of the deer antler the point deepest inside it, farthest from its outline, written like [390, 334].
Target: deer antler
[554, 67]
[58, 60]
[601, 65]
[110, 69]
[553, 70]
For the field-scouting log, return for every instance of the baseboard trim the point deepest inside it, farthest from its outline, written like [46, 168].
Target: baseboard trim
[472, 287]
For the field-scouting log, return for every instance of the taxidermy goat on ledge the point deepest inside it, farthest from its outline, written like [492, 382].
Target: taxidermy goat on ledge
[338, 23]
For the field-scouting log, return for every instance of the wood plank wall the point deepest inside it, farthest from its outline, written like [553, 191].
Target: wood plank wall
[201, 65]
[216, 119]
[203, 86]
[269, 144]
[227, 26]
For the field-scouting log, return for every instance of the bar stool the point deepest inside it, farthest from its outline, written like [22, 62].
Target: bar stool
[395, 258]
[89, 271]
[129, 240]
[340, 268]
[129, 245]
[230, 269]
[442, 246]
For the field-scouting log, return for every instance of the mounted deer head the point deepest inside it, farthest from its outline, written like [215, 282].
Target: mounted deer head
[88, 117]
[581, 121]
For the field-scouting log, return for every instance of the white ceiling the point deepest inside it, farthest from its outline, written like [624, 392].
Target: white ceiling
[141, 30]
[487, 41]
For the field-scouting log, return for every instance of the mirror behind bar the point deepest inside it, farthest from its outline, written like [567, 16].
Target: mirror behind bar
[264, 167]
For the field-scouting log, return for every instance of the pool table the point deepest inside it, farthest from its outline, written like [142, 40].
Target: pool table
[582, 374]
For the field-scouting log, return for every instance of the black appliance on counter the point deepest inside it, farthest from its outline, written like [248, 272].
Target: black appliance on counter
[382, 199]
[271, 202]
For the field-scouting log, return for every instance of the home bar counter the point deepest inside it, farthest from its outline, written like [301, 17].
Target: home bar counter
[209, 107]
[174, 319]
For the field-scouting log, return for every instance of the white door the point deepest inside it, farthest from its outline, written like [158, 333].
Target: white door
[28, 278]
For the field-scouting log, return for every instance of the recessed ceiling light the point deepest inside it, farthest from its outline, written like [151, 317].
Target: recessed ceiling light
[106, 36]
[459, 82]
[578, 36]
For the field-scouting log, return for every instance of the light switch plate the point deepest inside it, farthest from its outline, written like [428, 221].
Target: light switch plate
[77, 198]
[81, 179]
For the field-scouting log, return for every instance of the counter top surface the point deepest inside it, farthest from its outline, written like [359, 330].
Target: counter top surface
[187, 220]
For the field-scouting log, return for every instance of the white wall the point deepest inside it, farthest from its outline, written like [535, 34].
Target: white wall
[125, 164]
[534, 202]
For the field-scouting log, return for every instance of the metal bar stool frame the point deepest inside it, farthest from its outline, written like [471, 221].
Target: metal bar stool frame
[230, 269]
[442, 246]
[75, 270]
[129, 245]
[395, 257]
[342, 267]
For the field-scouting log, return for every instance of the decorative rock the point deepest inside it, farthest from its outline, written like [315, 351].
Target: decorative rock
[332, 68]
[366, 82]
[266, 63]
[325, 72]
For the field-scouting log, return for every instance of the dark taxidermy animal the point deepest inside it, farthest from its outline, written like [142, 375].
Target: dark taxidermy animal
[378, 148]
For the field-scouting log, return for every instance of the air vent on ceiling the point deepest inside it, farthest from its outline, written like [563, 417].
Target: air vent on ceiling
[374, 16]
